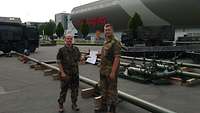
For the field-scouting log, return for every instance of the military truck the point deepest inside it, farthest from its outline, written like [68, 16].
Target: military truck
[16, 36]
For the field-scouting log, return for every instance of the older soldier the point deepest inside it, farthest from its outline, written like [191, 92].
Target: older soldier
[68, 58]
[110, 60]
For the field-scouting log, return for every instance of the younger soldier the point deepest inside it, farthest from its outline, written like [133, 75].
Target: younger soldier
[110, 61]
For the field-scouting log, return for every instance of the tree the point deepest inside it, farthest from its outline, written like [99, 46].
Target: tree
[134, 22]
[84, 28]
[41, 29]
[99, 27]
[50, 28]
[59, 30]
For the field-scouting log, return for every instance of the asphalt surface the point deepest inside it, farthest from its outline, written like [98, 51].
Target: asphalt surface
[24, 90]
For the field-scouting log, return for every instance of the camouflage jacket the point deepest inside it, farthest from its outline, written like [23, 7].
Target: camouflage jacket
[69, 58]
[110, 49]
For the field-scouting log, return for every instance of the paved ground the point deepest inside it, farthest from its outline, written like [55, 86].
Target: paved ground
[23, 90]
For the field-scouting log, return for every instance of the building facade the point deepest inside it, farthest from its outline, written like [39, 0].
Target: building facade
[62, 18]
[184, 15]
[65, 20]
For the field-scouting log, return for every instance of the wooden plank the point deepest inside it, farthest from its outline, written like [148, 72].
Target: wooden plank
[88, 92]
[97, 102]
[49, 72]
[192, 82]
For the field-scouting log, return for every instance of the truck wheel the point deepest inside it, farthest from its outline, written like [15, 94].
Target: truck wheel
[32, 50]
[6, 50]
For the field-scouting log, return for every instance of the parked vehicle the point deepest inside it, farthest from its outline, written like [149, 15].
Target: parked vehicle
[15, 36]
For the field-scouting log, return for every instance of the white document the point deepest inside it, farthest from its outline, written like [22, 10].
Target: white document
[92, 57]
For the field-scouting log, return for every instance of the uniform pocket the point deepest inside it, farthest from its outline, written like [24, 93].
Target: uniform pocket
[105, 71]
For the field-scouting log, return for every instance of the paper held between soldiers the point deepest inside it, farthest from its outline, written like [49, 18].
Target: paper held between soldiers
[92, 57]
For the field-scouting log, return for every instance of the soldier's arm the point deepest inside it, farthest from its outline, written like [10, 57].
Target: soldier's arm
[59, 58]
[115, 66]
[116, 61]
[61, 70]
[79, 57]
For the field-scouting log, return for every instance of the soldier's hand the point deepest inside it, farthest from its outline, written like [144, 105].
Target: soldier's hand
[112, 76]
[98, 55]
[62, 76]
[82, 60]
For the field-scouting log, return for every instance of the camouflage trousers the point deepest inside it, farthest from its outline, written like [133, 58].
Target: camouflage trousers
[109, 91]
[73, 84]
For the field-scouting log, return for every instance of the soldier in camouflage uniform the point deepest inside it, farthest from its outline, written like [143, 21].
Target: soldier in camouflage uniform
[68, 58]
[110, 61]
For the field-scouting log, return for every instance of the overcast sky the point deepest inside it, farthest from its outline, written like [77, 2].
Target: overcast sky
[38, 10]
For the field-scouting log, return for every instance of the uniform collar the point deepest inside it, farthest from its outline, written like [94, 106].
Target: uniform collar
[109, 39]
[68, 47]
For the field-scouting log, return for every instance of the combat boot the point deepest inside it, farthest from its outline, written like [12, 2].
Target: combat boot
[112, 109]
[75, 107]
[61, 109]
[103, 108]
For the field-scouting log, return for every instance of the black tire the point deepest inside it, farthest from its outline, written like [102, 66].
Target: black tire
[32, 49]
[6, 47]
[6, 50]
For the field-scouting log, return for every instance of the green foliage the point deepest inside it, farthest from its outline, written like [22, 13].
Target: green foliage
[84, 28]
[50, 28]
[134, 22]
[41, 28]
[99, 27]
[59, 30]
